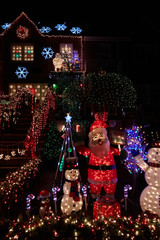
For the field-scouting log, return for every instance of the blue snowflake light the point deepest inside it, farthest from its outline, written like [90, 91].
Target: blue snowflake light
[47, 52]
[21, 72]
[61, 27]
[45, 29]
[6, 25]
[135, 144]
[76, 30]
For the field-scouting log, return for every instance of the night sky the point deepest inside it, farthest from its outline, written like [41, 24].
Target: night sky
[105, 18]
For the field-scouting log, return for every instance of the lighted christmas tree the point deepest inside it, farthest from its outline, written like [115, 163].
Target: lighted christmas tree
[67, 150]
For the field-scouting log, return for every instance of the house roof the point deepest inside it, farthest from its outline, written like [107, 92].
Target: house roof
[23, 16]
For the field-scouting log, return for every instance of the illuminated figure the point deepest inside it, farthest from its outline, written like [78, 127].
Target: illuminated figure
[57, 62]
[72, 199]
[102, 171]
[150, 197]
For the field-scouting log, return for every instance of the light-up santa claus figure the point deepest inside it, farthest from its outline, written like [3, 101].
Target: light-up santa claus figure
[72, 198]
[150, 196]
[45, 205]
[101, 168]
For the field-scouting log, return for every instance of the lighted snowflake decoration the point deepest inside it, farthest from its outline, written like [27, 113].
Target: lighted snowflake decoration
[45, 29]
[21, 72]
[6, 25]
[47, 52]
[76, 30]
[61, 27]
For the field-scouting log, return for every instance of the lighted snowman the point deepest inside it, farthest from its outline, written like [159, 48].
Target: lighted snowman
[57, 62]
[72, 199]
[150, 197]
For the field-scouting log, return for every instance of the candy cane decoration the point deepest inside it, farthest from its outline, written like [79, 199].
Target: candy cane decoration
[28, 202]
[126, 188]
[84, 189]
[54, 193]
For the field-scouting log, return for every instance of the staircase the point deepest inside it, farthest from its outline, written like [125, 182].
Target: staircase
[11, 143]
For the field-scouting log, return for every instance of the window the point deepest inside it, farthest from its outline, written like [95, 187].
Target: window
[28, 53]
[66, 50]
[22, 53]
[17, 53]
[40, 89]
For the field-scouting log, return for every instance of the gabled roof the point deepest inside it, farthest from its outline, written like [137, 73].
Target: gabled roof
[18, 19]
[23, 16]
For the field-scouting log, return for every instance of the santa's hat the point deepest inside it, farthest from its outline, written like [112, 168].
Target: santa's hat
[98, 124]
[44, 194]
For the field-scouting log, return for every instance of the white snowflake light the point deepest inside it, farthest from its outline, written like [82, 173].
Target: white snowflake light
[76, 30]
[6, 25]
[61, 27]
[21, 72]
[47, 52]
[45, 29]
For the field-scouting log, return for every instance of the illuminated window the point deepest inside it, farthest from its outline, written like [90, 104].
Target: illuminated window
[40, 89]
[28, 53]
[17, 53]
[66, 51]
[22, 53]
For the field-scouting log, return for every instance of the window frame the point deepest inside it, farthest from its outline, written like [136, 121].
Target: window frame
[23, 52]
[69, 45]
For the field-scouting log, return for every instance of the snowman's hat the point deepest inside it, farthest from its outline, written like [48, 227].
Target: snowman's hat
[71, 163]
[44, 194]
[155, 144]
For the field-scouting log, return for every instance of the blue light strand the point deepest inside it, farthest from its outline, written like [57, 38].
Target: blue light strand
[135, 142]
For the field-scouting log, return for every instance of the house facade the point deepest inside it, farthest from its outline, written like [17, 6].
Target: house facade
[26, 56]
[26, 59]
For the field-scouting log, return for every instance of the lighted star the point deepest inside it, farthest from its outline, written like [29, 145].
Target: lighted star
[1, 156]
[68, 118]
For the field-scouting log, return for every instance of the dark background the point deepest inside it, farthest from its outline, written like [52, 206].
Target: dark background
[105, 18]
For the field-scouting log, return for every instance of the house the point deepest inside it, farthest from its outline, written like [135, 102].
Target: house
[26, 59]
[26, 56]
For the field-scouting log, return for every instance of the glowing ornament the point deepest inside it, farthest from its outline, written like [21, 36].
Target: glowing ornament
[22, 32]
[72, 198]
[57, 62]
[21, 72]
[149, 199]
[47, 52]
[61, 27]
[76, 30]
[1, 156]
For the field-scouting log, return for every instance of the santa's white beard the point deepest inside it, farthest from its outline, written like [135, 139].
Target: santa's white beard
[100, 150]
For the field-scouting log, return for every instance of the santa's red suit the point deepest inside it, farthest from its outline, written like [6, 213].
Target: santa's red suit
[101, 168]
